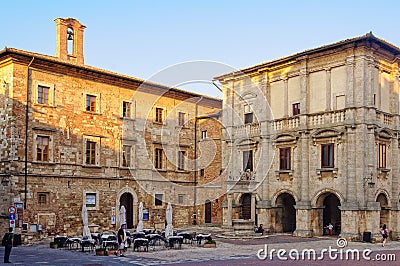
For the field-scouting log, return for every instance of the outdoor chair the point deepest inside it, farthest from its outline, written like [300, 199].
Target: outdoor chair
[88, 244]
[175, 242]
[72, 243]
[201, 237]
[187, 237]
[156, 240]
[139, 243]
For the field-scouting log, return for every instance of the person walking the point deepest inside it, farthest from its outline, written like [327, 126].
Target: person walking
[8, 245]
[384, 233]
[121, 241]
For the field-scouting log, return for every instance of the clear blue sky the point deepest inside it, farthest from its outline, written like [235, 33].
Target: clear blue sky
[140, 38]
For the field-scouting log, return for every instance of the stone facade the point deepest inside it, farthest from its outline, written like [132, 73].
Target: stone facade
[72, 134]
[321, 131]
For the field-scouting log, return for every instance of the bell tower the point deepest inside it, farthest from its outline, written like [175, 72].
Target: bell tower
[69, 42]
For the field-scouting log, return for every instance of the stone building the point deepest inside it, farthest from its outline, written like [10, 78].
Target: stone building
[73, 134]
[313, 138]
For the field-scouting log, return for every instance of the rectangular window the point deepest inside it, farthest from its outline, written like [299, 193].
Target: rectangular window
[90, 103]
[181, 160]
[43, 95]
[90, 152]
[90, 199]
[180, 198]
[181, 119]
[248, 160]
[159, 115]
[296, 108]
[158, 161]
[126, 109]
[284, 158]
[204, 134]
[248, 118]
[126, 155]
[158, 199]
[42, 148]
[42, 198]
[382, 155]
[201, 172]
[327, 155]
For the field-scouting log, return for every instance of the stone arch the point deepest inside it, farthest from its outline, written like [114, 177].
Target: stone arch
[384, 202]
[326, 209]
[284, 212]
[135, 204]
[383, 192]
[281, 191]
[314, 201]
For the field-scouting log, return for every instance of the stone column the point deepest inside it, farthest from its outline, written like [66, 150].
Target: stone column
[229, 217]
[303, 207]
[253, 207]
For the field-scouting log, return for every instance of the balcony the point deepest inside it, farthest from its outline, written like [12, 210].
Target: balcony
[247, 131]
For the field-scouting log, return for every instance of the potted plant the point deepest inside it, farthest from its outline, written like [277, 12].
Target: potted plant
[101, 252]
[53, 245]
[210, 244]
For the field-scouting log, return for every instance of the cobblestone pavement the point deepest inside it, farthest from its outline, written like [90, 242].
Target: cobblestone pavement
[228, 252]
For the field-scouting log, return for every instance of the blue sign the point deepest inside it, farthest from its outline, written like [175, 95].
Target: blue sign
[11, 216]
[145, 215]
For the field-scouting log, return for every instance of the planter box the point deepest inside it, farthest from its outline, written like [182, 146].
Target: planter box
[209, 245]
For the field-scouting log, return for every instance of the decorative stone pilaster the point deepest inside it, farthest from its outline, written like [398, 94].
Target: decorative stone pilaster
[349, 221]
[303, 219]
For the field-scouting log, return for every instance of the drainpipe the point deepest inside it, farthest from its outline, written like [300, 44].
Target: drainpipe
[195, 162]
[26, 131]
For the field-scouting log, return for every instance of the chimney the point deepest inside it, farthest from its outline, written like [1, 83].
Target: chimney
[69, 42]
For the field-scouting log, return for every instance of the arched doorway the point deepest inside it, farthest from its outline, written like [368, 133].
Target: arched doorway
[286, 213]
[246, 207]
[207, 212]
[384, 214]
[126, 199]
[328, 204]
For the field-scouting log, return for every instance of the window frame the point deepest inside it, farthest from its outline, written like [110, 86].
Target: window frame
[382, 155]
[296, 108]
[248, 118]
[159, 115]
[158, 158]
[204, 134]
[40, 196]
[248, 164]
[181, 119]
[181, 160]
[126, 109]
[41, 93]
[39, 157]
[285, 158]
[158, 199]
[126, 155]
[89, 102]
[327, 155]
[92, 151]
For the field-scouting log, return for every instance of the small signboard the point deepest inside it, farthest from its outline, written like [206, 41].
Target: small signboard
[11, 216]
[12, 223]
[12, 209]
[113, 216]
[145, 214]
